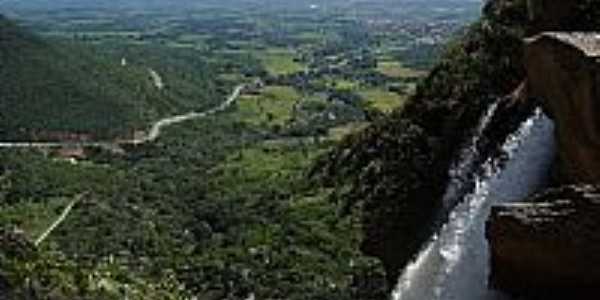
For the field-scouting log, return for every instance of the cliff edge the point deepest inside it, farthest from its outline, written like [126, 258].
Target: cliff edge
[396, 170]
[547, 246]
[564, 73]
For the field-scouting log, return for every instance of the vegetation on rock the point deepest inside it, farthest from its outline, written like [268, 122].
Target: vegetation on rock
[398, 167]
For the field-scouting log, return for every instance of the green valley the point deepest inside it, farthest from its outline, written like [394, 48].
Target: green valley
[223, 206]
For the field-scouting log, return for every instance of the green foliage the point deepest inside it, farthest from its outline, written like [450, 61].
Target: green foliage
[274, 106]
[208, 208]
[381, 100]
[38, 274]
[280, 62]
[217, 208]
[50, 87]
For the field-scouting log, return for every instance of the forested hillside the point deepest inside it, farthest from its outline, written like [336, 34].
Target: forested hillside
[50, 89]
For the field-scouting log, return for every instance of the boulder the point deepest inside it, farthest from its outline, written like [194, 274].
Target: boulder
[564, 73]
[547, 247]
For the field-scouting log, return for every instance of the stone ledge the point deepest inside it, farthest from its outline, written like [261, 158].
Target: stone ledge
[586, 42]
[549, 245]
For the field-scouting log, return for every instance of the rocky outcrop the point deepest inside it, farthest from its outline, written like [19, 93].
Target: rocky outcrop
[564, 73]
[549, 246]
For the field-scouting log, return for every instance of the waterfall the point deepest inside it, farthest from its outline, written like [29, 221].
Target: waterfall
[462, 171]
[453, 265]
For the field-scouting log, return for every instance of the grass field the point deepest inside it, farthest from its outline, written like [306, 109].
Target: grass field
[279, 61]
[339, 132]
[273, 107]
[397, 70]
[382, 100]
[344, 85]
[310, 37]
[265, 161]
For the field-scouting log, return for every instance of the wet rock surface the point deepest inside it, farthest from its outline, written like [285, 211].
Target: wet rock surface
[547, 247]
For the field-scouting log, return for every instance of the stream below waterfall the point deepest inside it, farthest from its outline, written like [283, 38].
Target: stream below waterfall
[453, 265]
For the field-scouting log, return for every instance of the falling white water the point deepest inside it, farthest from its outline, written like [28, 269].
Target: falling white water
[454, 264]
[466, 161]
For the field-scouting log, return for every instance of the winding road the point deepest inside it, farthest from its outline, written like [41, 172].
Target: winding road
[152, 135]
[156, 129]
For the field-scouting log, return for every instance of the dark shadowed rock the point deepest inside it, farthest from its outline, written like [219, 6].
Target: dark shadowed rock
[549, 15]
[554, 15]
[549, 246]
[563, 71]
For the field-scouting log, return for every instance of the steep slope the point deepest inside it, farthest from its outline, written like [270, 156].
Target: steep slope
[52, 90]
[397, 169]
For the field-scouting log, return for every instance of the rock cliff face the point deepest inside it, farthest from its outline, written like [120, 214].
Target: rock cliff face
[548, 246]
[563, 71]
